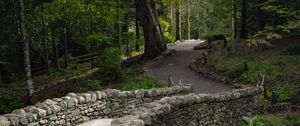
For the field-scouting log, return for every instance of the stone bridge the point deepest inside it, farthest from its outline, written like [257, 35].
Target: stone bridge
[170, 106]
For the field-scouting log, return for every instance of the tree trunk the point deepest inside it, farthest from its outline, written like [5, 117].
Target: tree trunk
[119, 25]
[26, 52]
[66, 47]
[55, 50]
[188, 21]
[244, 19]
[137, 29]
[234, 19]
[261, 17]
[178, 21]
[155, 42]
[44, 36]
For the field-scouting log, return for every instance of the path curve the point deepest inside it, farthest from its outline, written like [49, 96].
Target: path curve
[177, 66]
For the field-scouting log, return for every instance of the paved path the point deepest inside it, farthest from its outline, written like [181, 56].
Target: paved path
[177, 66]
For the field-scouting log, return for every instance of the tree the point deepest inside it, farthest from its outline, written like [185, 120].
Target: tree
[155, 42]
[244, 19]
[26, 51]
[188, 21]
[234, 19]
[178, 21]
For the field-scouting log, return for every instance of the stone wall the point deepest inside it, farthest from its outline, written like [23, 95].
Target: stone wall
[223, 109]
[76, 108]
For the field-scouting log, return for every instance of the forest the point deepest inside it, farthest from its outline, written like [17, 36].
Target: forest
[49, 48]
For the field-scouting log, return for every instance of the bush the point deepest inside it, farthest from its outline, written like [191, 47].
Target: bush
[10, 104]
[109, 57]
[284, 92]
[254, 70]
[140, 83]
[92, 85]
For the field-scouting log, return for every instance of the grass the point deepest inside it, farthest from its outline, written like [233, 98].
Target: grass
[245, 65]
[140, 82]
[271, 120]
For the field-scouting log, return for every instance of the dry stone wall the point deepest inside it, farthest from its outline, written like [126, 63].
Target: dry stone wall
[223, 109]
[76, 108]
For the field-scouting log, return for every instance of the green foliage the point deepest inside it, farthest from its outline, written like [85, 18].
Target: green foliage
[253, 74]
[10, 104]
[233, 68]
[140, 83]
[109, 64]
[166, 25]
[292, 121]
[91, 85]
[271, 120]
[263, 120]
[285, 92]
[109, 57]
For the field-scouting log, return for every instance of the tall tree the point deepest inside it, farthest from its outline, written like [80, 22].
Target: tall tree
[26, 52]
[234, 19]
[244, 19]
[155, 42]
[188, 21]
[178, 21]
[44, 36]
[137, 29]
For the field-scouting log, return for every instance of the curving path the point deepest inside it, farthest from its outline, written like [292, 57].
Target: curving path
[177, 66]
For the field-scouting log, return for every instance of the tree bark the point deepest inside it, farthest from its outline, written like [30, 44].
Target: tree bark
[26, 52]
[119, 25]
[188, 21]
[55, 49]
[234, 19]
[44, 36]
[244, 19]
[155, 42]
[178, 21]
[66, 47]
[137, 29]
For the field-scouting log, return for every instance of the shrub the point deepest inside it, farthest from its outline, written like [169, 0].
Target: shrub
[285, 92]
[140, 83]
[255, 68]
[91, 85]
[109, 57]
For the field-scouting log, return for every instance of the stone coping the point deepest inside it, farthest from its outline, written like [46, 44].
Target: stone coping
[71, 100]
[147, 113]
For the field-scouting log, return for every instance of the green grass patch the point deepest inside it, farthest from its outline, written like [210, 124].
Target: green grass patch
[271, 120]
[137, 83]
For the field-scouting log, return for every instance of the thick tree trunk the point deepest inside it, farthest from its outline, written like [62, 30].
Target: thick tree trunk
[44, 36]
[178, 21]
[234, 19]
[188, 21]
[26, 52]
[155, 42]
[244, 19]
